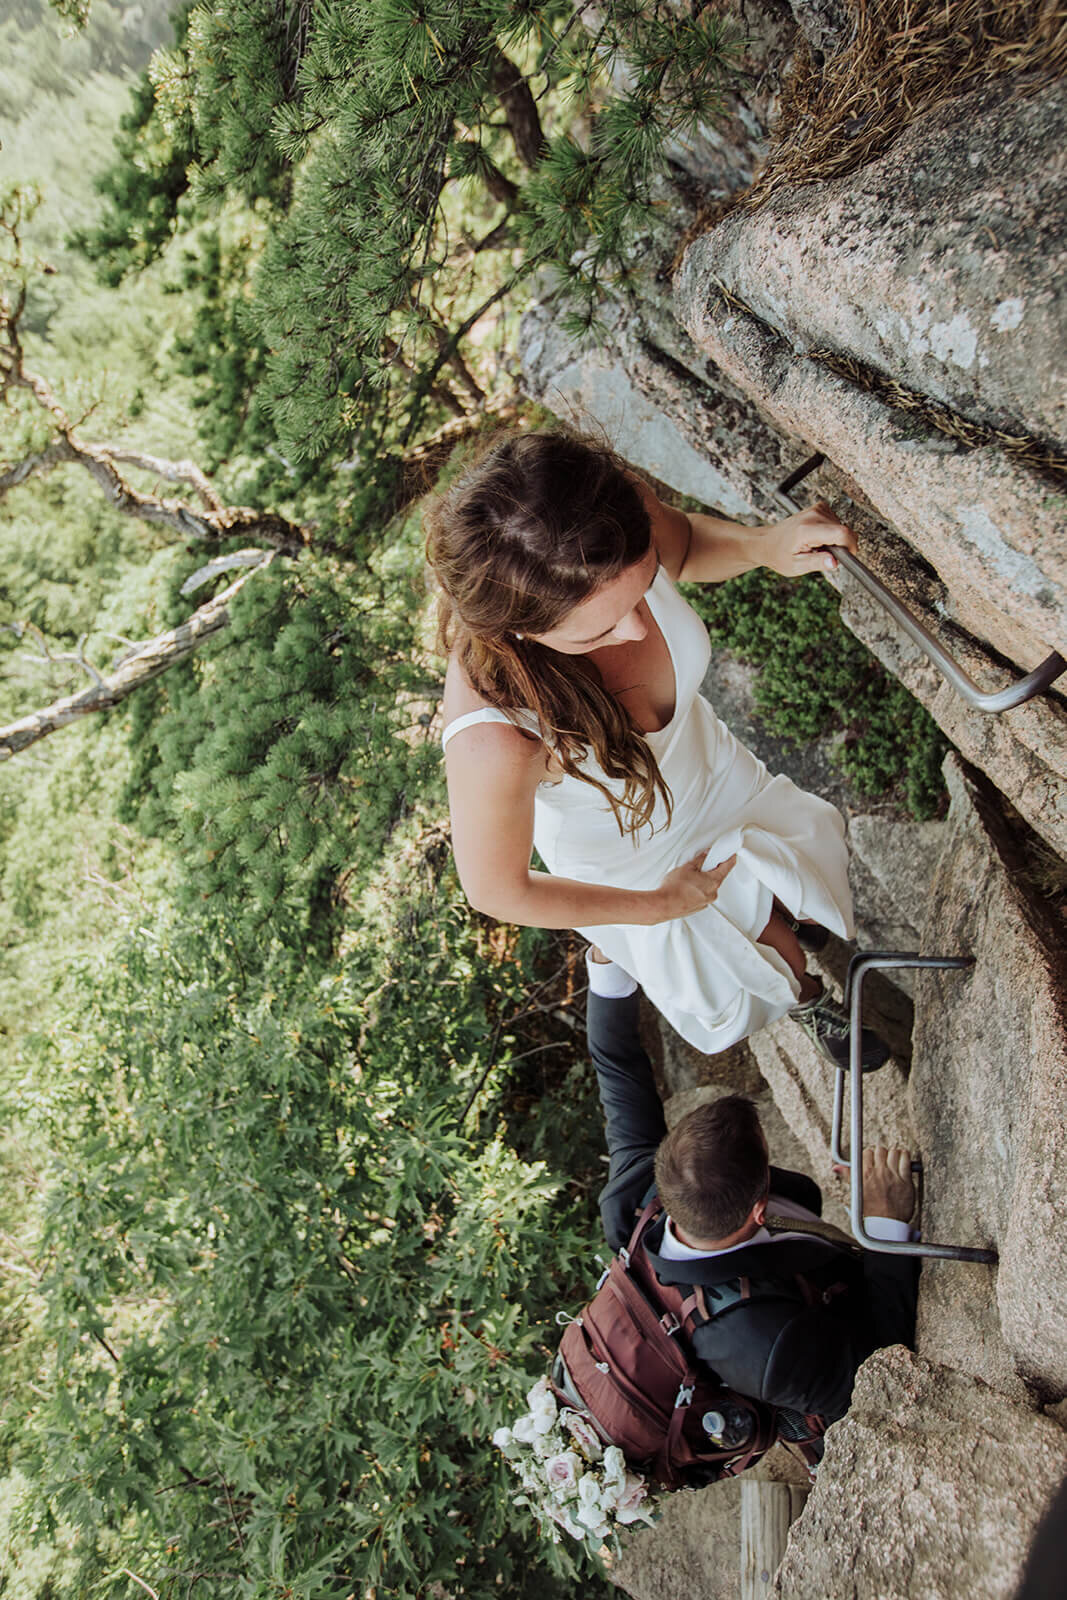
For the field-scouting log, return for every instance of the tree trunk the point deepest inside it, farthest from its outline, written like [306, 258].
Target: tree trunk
[520, 109]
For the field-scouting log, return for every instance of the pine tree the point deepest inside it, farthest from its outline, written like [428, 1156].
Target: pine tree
[413, 164]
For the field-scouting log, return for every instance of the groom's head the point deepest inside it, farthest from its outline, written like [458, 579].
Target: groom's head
[712, 1170]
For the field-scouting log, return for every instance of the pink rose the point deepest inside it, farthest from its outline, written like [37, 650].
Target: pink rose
[562, 1470]
[628, 1504]
[584, 1435]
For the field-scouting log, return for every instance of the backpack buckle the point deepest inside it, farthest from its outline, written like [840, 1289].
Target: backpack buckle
[669, 1323]
[684, 1395]
[624, 1255]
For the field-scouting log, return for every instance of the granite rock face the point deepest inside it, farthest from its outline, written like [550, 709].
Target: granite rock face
[931, 1488]
[648, 391]
[693, 1550]
[1024, 751]
[990, 526]
[899, 268]
[988, 1091]
[982, 603]
[941, 264]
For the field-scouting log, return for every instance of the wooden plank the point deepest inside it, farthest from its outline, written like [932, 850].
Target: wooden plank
[767, 1509]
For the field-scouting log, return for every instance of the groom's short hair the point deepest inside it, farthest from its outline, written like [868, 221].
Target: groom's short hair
[712, 1168]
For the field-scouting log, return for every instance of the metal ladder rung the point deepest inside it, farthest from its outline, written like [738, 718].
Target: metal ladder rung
[859, 966]
[1015, 694]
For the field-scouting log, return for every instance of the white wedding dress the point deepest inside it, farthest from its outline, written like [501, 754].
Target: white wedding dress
[705, 972]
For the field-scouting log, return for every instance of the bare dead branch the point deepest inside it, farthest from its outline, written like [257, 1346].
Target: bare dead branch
[135, 1579]
[211, 524]
[136, 667]
[238, 558]
[46, 654]
[78, 655]
[172, 472]
[38, 465]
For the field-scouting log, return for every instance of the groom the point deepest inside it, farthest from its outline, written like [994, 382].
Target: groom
[725, 1230]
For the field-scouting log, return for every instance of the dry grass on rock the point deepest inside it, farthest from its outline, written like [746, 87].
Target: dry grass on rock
[905, 58]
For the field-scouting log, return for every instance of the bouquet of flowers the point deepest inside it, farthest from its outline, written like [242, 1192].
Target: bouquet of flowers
[570, 1479]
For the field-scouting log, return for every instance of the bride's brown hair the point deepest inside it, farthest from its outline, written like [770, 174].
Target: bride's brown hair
[533, 528]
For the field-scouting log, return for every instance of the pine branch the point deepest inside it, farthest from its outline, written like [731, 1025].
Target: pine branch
[395, 356]
[499, 185]
[499, 238]
[137, 666]
[426, 379]
[456, 362]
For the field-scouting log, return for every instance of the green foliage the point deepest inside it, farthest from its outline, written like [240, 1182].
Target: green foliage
[284, 757]
[287, 1293]
[376, 142]
[244, 1017]
[141, 191]
[218, 353]
[815, 678]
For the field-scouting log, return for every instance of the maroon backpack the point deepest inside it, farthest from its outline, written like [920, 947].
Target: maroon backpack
[627, 1364]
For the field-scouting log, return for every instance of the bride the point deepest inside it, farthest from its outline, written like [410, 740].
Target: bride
[575, 724]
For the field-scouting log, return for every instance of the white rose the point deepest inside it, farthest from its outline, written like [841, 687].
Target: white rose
[523, 1429]
[542, 1404]
[614, 1464]
[593, 1518]
[628, 1507]
[610, 1494]
[502, 1438]
[564, 1518]
[546, 1444]
[588, 1490]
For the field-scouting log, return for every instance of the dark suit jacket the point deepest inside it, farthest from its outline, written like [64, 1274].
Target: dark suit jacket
[772, 1347]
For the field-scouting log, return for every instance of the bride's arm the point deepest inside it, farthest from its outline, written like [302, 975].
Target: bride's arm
[696, 548]
[493, 773]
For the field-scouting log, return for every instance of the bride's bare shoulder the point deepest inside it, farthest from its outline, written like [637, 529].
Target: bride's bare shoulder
[496, 739]
[460, 695]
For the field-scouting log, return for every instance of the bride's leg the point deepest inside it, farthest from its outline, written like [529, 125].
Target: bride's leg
[783, 940]
[823, 1019]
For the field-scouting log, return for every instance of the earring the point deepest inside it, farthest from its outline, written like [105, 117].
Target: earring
[520, 636]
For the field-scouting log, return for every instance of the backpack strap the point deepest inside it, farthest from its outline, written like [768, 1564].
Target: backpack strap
[693, 1306]
[665, 1467]
[641, 1227]
[815, 1227]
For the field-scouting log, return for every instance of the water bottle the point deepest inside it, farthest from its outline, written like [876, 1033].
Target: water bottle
[729, 1427]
